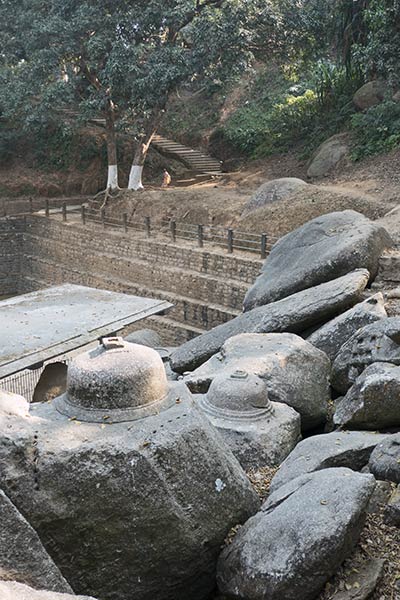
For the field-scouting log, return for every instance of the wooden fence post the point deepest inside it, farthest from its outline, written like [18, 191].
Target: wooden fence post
[200, 235]
[263, 246]
[125, 221]
[147, 226]
[64, 211]
[230, 241]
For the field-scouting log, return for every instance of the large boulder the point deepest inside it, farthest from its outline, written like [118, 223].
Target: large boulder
[329, 155]
[373, 402]
[259, 432]
[296, 373]
[384, 462]
[11, 590]
[124, 499]
[350, 449]
[273, 191]
[370, 94]
[378, 342]
[321, 250]
[293, 314]
[299, 539]
[22, 555]
[330, 337]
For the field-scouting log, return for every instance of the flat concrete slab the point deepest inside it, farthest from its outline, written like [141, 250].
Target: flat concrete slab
[42, 325]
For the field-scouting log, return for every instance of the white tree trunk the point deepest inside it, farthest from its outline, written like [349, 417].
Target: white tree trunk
[135, 178]
[112, 180]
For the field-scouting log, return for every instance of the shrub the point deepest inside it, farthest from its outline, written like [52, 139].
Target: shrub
[376, 130]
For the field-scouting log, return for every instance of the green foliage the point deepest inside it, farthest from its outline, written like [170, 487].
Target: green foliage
[377, 130]
[303, 117]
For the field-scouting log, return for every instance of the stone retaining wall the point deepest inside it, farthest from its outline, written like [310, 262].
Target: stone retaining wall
[206, 287]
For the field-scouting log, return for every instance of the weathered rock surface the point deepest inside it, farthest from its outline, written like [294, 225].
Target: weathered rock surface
[323, 249]
[337, 449]
[329, 155]
[330, 337]
[120, 505]
[370, 94]
[273, 191]
[362, 583]
[22, 555]
[392, 510]
[144, 337]
[373, 402]
[13, 404]
[10, 590]
[259, 432]
[293, 314]
[378, 342]
[296, 373]
[298, 540]
[385, 459]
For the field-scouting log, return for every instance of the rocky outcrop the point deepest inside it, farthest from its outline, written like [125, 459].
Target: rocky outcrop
[333, 335]
[296, 373]
[373, 402]
[370, 94]
[351, 449]
[10, 590]
[329, 156]
[323, 249]
[385, 459]
[293, 314]
[378, 342]
[300, 537]
[22, 555]
[273, 191]
[392, 510]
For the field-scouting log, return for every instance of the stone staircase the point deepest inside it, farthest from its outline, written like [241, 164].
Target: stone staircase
[195, 160]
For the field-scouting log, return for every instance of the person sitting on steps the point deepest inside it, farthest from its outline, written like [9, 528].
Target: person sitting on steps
[166, 179]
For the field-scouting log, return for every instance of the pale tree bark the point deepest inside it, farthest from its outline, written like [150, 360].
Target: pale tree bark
[142, 148]
[111, 137]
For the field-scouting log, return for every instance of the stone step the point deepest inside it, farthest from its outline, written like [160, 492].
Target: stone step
[201, 287]
[187, 311]
[213, 261]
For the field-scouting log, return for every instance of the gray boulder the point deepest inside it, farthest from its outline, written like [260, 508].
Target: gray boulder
[120, 504]
[385, 459]
[350, 449]
[11, 590]
[259, 432]
[321, 250]
[378, 342]
[293, 314]
[144, 337]
[296, 373]
[330, 337]
[299, 539]
[370, 94]
[329, 155]
[392, 510]
[22, 555]
[273, 191]
[373, 402]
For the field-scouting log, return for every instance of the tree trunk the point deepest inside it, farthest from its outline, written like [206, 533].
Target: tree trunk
[135, 176]
[112, 179]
